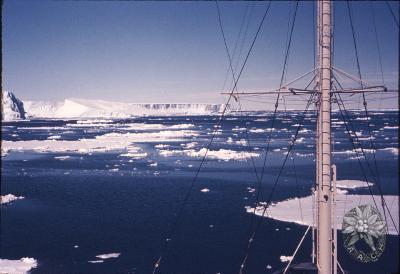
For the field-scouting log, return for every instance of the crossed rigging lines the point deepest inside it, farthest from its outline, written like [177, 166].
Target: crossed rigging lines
[343, 112]
[188, 193]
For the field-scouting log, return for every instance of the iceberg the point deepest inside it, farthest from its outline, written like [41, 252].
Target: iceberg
[12, 107]
[87, 108]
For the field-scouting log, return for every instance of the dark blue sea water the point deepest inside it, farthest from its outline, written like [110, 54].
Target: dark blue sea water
[103, 202]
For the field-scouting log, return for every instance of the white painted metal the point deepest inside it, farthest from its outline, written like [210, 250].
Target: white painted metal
[324, 199]
[334, 227]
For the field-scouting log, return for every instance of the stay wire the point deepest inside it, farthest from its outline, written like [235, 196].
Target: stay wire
[234, 79]
[188, 193]
[265, 206]
[372, 146]
[236, 42]
[352, 136]
[270, 136]
[378, 48]
[392, 13]
[259, 187]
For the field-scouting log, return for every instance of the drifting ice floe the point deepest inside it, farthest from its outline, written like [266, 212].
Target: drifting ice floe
[161, 146]
[393, 150]
[390, 127]
[101, 143]
[62, 157]
[222, 154]
[291, 211]
[21, 266]
[108, 256]
[285, 259]
[9, 198]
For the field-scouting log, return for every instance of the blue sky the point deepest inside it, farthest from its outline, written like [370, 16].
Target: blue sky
[173, 51]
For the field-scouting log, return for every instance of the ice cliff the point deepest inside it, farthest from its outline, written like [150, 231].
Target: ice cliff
[84, 108]
[12, 108]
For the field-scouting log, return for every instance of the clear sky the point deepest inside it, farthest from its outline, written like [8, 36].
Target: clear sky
[173, 51]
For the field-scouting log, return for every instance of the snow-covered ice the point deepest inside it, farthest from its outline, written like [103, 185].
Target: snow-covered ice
[5, 199]
[285, 259]
[12, 107]
[102, 143]
[22, 266]
[108, 256]
[96, 261]
[221, 154]
[291, 211]
[85, 108]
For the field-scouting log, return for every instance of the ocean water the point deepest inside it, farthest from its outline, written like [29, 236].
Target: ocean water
[111, 197]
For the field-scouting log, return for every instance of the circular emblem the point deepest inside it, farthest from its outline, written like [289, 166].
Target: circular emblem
[364, 233]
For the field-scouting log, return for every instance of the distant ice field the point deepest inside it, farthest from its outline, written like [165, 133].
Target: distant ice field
[80, 188]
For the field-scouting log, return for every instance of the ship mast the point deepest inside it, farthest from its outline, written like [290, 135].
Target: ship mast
[324, 173]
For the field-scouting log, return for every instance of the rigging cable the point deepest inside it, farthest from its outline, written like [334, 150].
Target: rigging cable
[265, 206]
[372, 146]
[392, 13]
[236, 42]
[269, 140]
[351, 132]
[378, 49]
[188, 193]
[234, 79]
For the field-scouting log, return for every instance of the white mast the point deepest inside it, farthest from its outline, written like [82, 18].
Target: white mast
[324, 176]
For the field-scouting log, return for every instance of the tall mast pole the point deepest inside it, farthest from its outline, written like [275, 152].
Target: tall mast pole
[324, 199]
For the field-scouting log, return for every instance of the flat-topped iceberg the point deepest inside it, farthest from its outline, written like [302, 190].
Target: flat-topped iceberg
[85, 108]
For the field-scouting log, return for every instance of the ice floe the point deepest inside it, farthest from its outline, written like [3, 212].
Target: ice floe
[54, 137]
[257, 130]
[161, 146]
[22, 266]
[96, 261]
[221, 154]
[285, 259]
[62, 157]
[391, 127]
[102, 143]
[205, 190]
[5, 199]
[393, 150]
[291, 211]
[108, 256]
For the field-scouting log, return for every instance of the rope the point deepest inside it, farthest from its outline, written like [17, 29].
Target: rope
[378, 49]
[188, 193]
[297, 248]
[392, 13]
[349, 131]
[251, 239]
[237, 39]
[372, 146]
[238, 99]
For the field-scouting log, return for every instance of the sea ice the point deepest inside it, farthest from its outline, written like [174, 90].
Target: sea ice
[102, 143]
[9, 198]
[291, 211]
[108, 256]
[285, 259]
[22, 266]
